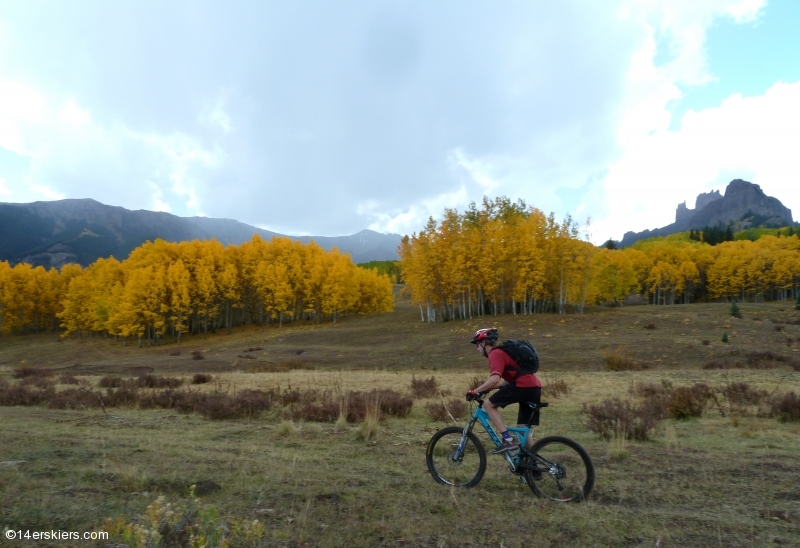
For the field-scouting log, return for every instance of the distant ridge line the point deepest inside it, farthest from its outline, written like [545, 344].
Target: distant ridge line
[54, 233]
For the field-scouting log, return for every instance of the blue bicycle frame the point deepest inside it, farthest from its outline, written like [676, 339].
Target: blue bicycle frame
[522, 432]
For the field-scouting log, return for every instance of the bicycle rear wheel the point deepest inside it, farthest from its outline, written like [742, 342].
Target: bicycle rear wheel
[567, 470]
[448, 465]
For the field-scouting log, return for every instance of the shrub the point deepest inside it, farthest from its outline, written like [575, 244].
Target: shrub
[717, 364]
[201, 378]
[735, 312]
[424, 388]
[253, 402]
[19, 394]
[764, 360]
[179, 400]
[174, 524]
[685, 402]
[324, 411]
[290, 396]
[154, 381]
[706, 342]
[438, 411]
[42, 383]
[725, 337]
[125, 396]
[390, 402]
[74, 398]
[394, 403]
[619, 360]
[741, 393]
[24, 372]
[357, 408]
[216, 407]
[785, 407]
[110, 382]
[68, 378]
[651, 390]
[614, 417]
[556, 389]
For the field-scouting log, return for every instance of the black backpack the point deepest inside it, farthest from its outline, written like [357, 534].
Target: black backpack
[524, 354]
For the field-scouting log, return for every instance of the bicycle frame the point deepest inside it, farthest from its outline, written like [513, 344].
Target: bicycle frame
[521, 432]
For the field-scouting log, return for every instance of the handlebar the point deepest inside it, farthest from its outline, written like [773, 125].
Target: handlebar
[477, 397]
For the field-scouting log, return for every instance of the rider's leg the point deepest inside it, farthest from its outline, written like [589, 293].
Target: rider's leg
[494, 415]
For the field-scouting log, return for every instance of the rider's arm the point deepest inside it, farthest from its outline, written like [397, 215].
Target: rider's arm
[494, 381]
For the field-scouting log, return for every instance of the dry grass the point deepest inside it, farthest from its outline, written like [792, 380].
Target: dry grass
[619, 359]
[704, 481]
[555, 389]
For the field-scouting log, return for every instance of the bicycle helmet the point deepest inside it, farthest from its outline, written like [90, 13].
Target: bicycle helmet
[488, 334]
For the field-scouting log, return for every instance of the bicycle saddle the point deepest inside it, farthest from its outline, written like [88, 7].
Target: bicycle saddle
[536, 405]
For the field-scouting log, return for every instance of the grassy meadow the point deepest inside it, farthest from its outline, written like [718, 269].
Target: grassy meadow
[729, 477]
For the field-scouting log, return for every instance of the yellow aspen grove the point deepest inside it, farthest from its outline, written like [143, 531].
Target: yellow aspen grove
[180, 303]
[29, 299]
[504, 258]
[86, 307]
[168, 289]
[340, 288]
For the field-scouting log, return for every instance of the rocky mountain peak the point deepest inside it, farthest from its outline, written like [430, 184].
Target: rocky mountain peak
[743, 205]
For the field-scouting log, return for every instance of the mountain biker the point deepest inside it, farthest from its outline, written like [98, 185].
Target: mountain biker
[514, 386]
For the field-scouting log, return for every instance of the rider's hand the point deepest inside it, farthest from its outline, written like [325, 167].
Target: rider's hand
[471, 394]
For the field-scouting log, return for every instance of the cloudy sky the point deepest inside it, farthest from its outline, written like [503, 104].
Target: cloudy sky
[329, 117]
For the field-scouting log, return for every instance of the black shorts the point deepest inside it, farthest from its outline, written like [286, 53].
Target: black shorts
[509, 394]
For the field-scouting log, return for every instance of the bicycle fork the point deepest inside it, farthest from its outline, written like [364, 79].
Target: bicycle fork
[462, 445]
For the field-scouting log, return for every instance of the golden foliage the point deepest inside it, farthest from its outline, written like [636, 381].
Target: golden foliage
[508, 258]
[193, 286]
[504, 257]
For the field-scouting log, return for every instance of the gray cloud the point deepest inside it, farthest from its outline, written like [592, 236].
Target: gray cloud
[323, 117]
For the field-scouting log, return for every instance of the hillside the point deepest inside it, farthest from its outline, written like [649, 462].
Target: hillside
[81, 231]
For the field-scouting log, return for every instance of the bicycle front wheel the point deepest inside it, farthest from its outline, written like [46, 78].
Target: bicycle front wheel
[567, 471]
[450, 466]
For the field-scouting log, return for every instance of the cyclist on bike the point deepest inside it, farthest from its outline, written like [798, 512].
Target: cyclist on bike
[515, 386]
